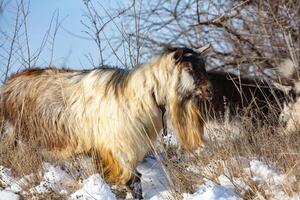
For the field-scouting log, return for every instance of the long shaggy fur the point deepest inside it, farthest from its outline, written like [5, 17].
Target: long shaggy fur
[113, 112]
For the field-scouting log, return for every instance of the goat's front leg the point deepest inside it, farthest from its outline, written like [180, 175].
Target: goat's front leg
[115, 171]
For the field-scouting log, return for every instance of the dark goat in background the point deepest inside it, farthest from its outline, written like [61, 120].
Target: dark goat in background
[234, 95]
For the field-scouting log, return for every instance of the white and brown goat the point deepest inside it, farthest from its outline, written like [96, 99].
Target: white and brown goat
[113, 112]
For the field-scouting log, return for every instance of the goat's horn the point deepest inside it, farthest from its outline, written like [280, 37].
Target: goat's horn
[202, 49]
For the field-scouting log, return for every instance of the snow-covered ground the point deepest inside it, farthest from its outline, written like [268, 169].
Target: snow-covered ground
[154, 183]
[93, 188]
[211, 191]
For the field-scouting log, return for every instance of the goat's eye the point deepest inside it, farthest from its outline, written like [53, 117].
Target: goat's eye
[188, 68]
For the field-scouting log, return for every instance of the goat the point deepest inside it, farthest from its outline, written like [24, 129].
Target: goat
[239, 95]
[113, 112]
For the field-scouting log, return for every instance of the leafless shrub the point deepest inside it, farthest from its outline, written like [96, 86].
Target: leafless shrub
[16, 52]
[246, 35]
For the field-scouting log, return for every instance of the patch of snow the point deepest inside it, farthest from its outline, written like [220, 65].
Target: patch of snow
[272, 181]
[162, 195]
[17, 186]
[193, 168]
[6, 176]
[262, 172]
[169, 139]
[295, 196]
[10, 182]
[211, 191]
[54, 179]
[268, 179]
[154, 180]
[8, 195]
[232, 184]
[93, 188]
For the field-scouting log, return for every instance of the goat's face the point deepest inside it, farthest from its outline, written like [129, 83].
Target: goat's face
[191, 80]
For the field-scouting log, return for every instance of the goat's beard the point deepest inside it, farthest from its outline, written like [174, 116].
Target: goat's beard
[187, 121]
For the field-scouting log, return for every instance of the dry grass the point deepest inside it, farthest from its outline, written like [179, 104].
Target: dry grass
[230, 147]
[26, 161]
[227, 153]
[21, 158]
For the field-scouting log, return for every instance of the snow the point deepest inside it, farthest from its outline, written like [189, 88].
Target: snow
[227, 183]
[17, 185]
[169, 139]
[8, 180]
[270, 180]
[154, 182]
[265, 177]
[93, 188]
[211, 191]
[54, 179]
[8, 195]
[262, 172]
[6, 177]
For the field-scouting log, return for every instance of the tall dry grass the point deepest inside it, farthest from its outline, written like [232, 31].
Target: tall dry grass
[230, 147]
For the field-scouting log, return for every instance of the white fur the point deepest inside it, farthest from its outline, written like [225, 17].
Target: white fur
[187, 82]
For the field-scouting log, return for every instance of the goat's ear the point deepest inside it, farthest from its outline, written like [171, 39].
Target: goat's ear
[202, 49]
[178, 55]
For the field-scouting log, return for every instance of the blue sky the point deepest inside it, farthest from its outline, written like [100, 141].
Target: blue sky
[69, 50]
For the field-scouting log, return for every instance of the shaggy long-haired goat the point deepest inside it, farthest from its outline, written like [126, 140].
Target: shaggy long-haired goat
[114, 112]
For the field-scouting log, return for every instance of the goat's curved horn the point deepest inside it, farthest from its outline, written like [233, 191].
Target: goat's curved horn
[202, 49]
